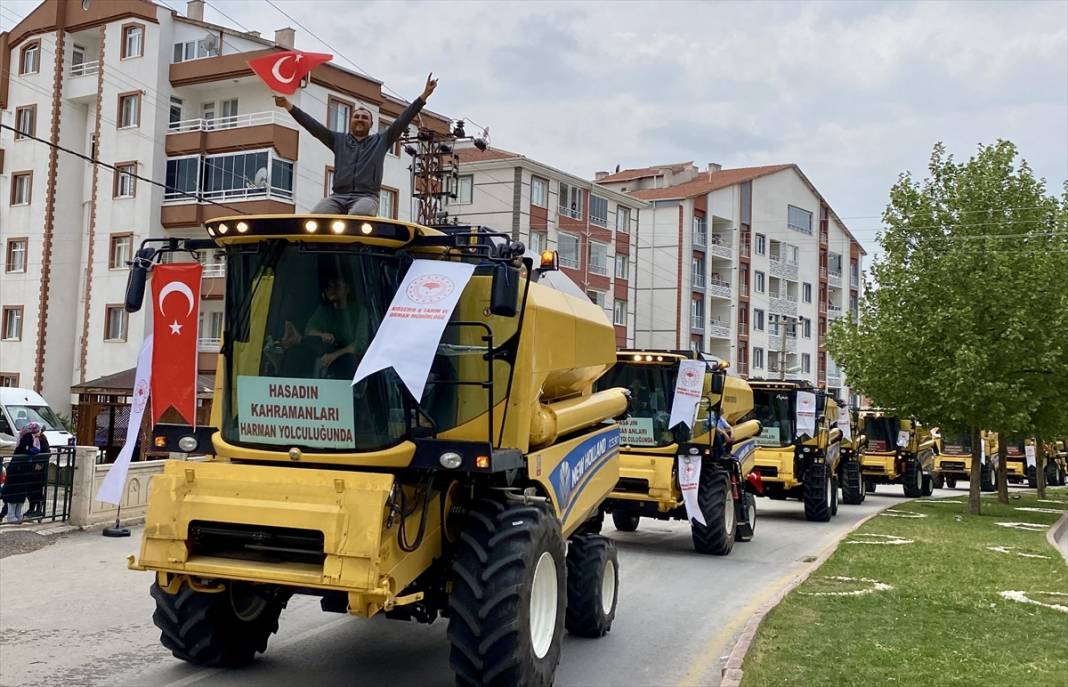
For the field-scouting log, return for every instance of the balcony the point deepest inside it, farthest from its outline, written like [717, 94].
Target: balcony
[782, 306]
[824, 237]
[699, 234]
[834, 280]
[697, 281]
[573, 213]
[782, 269]
[854, 281]
[213, 269]
[697, 323]
[719, 329]
[186, 209]
[719, 246]
[241, 132]
[719, 289]
[84, 69]
[834, 312]
[209, 344]
[834, 379]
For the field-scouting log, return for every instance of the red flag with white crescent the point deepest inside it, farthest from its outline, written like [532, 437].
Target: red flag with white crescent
[175, 318]
[283, 71]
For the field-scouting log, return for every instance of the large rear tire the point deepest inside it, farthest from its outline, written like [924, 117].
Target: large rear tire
[592, 585]
[928, 485]
[717, 505]
[853, 491]
[222, 629]
[506, 609]
[939, 481]
[819, 495]
[986, 478]
[747, 515]
[912, 480]
[625, 522]
[951, 482]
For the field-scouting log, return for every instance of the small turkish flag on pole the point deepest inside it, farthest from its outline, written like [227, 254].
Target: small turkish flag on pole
[282, 71]
[175, 317]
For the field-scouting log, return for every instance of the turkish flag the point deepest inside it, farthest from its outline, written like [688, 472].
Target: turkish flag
[282, 71]
[175, 318]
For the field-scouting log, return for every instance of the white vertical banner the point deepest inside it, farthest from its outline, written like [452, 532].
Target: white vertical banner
[689, 482]
[410, 333]
[806, 413]
[1030, 458]
[688, 386]
[843, 424]
[112, 487]
[903, 439]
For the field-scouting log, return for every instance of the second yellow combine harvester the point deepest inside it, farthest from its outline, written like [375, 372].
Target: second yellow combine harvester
[900, 451]
[649, 483]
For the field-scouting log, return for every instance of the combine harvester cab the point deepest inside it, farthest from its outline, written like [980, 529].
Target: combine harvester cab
[900, 451]
[651, 452]
[793, 463]
[467, 503]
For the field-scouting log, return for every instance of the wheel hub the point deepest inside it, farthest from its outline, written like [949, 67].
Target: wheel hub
[608, 587]
[543, 598]
[728, 515]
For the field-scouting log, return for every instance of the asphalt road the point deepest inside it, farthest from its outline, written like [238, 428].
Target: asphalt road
[70, 613]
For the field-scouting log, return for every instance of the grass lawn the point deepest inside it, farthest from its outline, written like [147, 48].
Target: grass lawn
[943, 622]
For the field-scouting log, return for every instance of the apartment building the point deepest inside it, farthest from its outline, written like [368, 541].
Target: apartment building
[592, 227]
[167, 97]
[748, 264]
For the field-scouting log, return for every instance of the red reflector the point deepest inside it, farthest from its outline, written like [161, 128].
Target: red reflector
[756, 482]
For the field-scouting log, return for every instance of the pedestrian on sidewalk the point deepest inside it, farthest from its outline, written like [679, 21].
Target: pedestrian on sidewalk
[24, 478]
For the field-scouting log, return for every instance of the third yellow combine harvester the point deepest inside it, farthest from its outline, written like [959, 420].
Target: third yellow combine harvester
[900, 451]
[953, 459]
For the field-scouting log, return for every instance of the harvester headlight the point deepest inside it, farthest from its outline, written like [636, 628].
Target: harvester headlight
[223, 228]
[694, 451]
[188, 443]
[337, 226]
[242, 227]
[638, 358]
[451, 460]
[659, 358]
[366, 228]
[311, 226]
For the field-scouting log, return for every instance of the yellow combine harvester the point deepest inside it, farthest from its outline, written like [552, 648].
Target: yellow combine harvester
[793, 463]
[900, 451]
[468, 502]
[953, 460]
[648, 471]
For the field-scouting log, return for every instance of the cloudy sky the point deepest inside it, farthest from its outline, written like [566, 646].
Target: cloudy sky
[853, 92]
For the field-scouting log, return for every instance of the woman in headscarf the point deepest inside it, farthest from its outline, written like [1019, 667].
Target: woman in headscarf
[23, 482]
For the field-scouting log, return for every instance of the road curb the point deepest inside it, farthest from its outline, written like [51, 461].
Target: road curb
[732, 669]
[1057, 536]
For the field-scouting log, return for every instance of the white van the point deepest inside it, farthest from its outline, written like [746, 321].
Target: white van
[20, 406]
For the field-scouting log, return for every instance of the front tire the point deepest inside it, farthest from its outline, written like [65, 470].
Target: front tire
[506, 609]
[222, 629]
[747, 516]
[592, 585]
[912, 480]
[819, 495]
[716, 500]
[625, 522]
[939, 481]
[951, 482]
[853, 488]
[869, 486]
[928, 485]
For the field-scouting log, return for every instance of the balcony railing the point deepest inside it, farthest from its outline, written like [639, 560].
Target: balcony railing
[247, 193]
[719, 288]
[85, 68]
[783, 306]
[699, 234]
[743, 328]
[719, 245]
[854, 281]
[209, 344]
[834, 280]
[214, 269]
[697, 323]
[569, 212]
[600, 268]
[234, 122]
[719, 329]
[834, 312]
[697, 281]
[834, 379]
[782, 269]
[599, 221]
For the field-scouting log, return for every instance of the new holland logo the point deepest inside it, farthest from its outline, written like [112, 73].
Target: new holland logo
[430, 288]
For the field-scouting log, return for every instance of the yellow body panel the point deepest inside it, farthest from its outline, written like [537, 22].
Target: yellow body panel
[878, 464]
[952, 464]
[781, 460]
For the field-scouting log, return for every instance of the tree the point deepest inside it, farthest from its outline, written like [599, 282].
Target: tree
[970, 289]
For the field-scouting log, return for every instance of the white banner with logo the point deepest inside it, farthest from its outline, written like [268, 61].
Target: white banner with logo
[1030, 458]
[114, 482]
[806, 413]
[843, 424]
[688, 386]
[689, 481]
[411, 330]
[903, 439]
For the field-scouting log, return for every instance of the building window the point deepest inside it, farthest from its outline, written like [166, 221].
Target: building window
[539, 192]
[12, 329]
[30, 58]
[338, 113]
[465, 189]
[25, 121]
[619, 312]
[758, 358]
[793, 254]
[383, 127]
[622, 266]
[758, 281]
[568, 247]
[806, 327]
[174, 116]
[799, 220]
[598, 211]
[697, 272]
[211, 325]
[622, 219]
[182, 178]
[806, 363]
[697, 313]
[598, 258]
[537, 241]
[120, 251]
[227, 114]
[570, 201]
[758, 319]
[132, 40]
[10, 380]
[598, 297]
[125, 183]
[208, 46]
[115, 321]
[387, 203]
[246, 175]
[129, 110]
[16, 255]
[328, 181]
[854, 274]
[761, 244]
[806, 292]
[21, 188]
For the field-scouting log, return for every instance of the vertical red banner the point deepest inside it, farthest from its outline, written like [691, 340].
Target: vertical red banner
[176, 320]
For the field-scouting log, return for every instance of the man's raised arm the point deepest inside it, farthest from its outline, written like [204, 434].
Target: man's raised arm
[400, 126]
[314, 127]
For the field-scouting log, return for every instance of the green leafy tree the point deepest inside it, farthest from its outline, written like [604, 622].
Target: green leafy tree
[962, 326]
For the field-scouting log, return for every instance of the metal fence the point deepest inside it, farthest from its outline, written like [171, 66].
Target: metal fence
[46, 481]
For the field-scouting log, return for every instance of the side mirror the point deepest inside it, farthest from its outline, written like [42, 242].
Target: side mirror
[719, 381]
[504, 291]
[135, 282]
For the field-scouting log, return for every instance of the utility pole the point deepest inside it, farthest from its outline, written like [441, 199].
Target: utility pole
[783, 323]
[436, 171]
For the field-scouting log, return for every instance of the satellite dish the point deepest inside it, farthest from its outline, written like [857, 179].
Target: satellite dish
[211, 43]
[260, 180]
